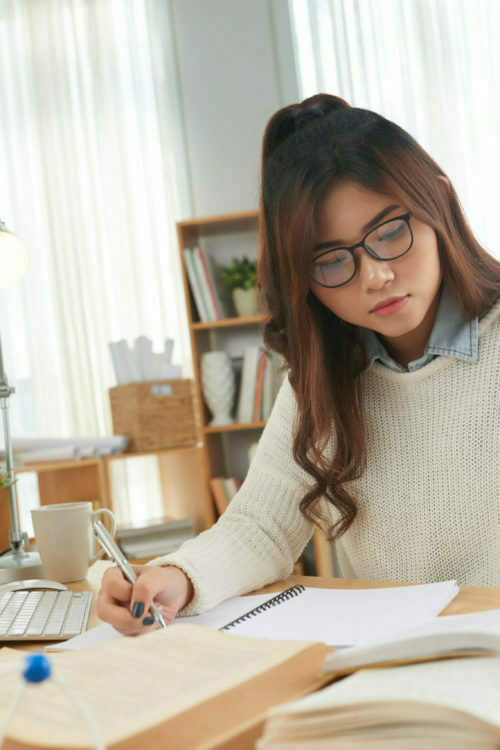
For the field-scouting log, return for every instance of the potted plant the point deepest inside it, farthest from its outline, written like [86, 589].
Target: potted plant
[4, 479]
[239, 280]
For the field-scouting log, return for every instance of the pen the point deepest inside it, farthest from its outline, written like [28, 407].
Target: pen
[108, 544]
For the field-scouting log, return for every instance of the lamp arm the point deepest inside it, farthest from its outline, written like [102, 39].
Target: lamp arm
[16, 536]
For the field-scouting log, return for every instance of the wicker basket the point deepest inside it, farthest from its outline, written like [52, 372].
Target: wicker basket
[155, 414]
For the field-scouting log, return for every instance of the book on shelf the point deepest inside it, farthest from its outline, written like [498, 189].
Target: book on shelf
[246, 397]
[192, 687]
[257, 402]
[252, 450]
[223, 491]
[201, 277]
[195, 286]
[205, 291]
[212, 290]
[153, 538]
[261, 379]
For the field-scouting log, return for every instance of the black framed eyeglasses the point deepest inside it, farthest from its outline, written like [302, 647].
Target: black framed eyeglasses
[387, 241]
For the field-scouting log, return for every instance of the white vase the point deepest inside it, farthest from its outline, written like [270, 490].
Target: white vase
[245, 302]
[218, 384]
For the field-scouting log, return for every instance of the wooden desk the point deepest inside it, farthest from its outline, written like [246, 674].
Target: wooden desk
[470, 598]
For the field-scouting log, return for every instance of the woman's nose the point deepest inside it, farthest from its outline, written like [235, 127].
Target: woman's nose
[373, 274]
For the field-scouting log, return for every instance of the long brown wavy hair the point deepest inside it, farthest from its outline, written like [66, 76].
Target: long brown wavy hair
[307, 149]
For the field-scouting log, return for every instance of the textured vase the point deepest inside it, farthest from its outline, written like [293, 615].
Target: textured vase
[218, 384]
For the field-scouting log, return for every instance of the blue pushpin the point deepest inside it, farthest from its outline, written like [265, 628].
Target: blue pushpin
[37, 668]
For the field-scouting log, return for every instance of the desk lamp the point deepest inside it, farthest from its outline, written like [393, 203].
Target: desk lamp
[17, 563]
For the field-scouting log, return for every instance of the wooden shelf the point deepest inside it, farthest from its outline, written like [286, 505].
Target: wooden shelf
[229, 322]
[215, 225]
[181, 478]
[235, 427]
[82, 463]
[159, 452]
[56, 465]
[223, 236]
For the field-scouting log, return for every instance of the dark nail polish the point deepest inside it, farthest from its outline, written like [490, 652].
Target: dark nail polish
[137, 609]
[148, 621]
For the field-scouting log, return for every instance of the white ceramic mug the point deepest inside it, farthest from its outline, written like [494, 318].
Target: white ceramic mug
[65, 538]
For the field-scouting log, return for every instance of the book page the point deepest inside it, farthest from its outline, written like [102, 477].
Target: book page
[459, 633]
[132, 683]
[471, 685]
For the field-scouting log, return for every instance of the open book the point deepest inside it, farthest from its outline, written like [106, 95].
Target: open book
[182, 688]
[443, 637]
[440, 705]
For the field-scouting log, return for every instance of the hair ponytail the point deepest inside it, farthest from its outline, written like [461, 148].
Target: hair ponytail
[295, 117]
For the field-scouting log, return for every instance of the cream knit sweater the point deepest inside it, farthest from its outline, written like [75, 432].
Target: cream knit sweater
[429, 500]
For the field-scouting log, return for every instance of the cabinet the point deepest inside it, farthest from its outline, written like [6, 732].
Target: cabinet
[224, 449]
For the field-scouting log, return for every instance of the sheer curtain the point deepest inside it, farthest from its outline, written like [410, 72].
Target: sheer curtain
[432, 66]
[92, 179]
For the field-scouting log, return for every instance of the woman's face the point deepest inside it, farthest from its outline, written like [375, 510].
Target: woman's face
[413, 280]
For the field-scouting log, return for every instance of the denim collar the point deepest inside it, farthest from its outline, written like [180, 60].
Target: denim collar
[451, 336]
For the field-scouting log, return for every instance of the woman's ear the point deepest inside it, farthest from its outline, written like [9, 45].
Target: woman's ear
[444, 179]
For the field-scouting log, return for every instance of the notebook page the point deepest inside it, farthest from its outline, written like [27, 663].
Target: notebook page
[471, 685]
[178, 666]
[342, 617]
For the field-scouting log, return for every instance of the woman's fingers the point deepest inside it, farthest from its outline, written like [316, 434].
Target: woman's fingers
[127, 607]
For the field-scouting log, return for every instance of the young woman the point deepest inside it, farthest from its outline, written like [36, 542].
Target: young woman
[386, 430]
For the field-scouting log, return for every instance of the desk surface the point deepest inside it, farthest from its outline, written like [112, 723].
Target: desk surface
[470, 598]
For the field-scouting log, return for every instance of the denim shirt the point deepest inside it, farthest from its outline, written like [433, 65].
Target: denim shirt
[451, 335]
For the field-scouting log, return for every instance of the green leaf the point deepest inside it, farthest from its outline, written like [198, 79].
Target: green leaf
[241, 274]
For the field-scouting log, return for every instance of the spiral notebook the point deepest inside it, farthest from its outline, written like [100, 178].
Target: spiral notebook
[338, 617]
[266, 605]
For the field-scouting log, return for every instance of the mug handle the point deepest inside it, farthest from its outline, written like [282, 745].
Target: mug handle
[111, 515]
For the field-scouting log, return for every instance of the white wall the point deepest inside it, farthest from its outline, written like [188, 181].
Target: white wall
[235, 67]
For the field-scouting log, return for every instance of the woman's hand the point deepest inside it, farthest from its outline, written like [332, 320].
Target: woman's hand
[126, 606]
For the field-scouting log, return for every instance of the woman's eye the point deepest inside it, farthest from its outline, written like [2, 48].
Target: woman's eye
[392, 235]
[332, 261]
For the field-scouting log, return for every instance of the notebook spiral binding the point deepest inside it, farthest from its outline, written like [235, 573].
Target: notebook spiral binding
[278, 599]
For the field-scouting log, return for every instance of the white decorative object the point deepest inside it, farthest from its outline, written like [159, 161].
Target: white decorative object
[218, 382]
[245, 302]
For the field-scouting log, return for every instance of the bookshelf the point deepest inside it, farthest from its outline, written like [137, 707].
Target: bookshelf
[224, 448]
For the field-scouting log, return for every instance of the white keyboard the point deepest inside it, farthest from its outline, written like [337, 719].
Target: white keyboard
[43, 615]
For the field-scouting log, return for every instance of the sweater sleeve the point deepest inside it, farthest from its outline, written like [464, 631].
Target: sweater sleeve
[263, 532]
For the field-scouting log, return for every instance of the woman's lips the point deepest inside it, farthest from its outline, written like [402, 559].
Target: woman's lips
[391, 306]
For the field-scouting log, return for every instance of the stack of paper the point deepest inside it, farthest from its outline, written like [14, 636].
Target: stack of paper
[154, 537]
[38, 450]
[141, 363]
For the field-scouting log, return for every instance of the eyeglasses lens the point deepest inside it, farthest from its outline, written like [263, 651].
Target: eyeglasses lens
[388, 241]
